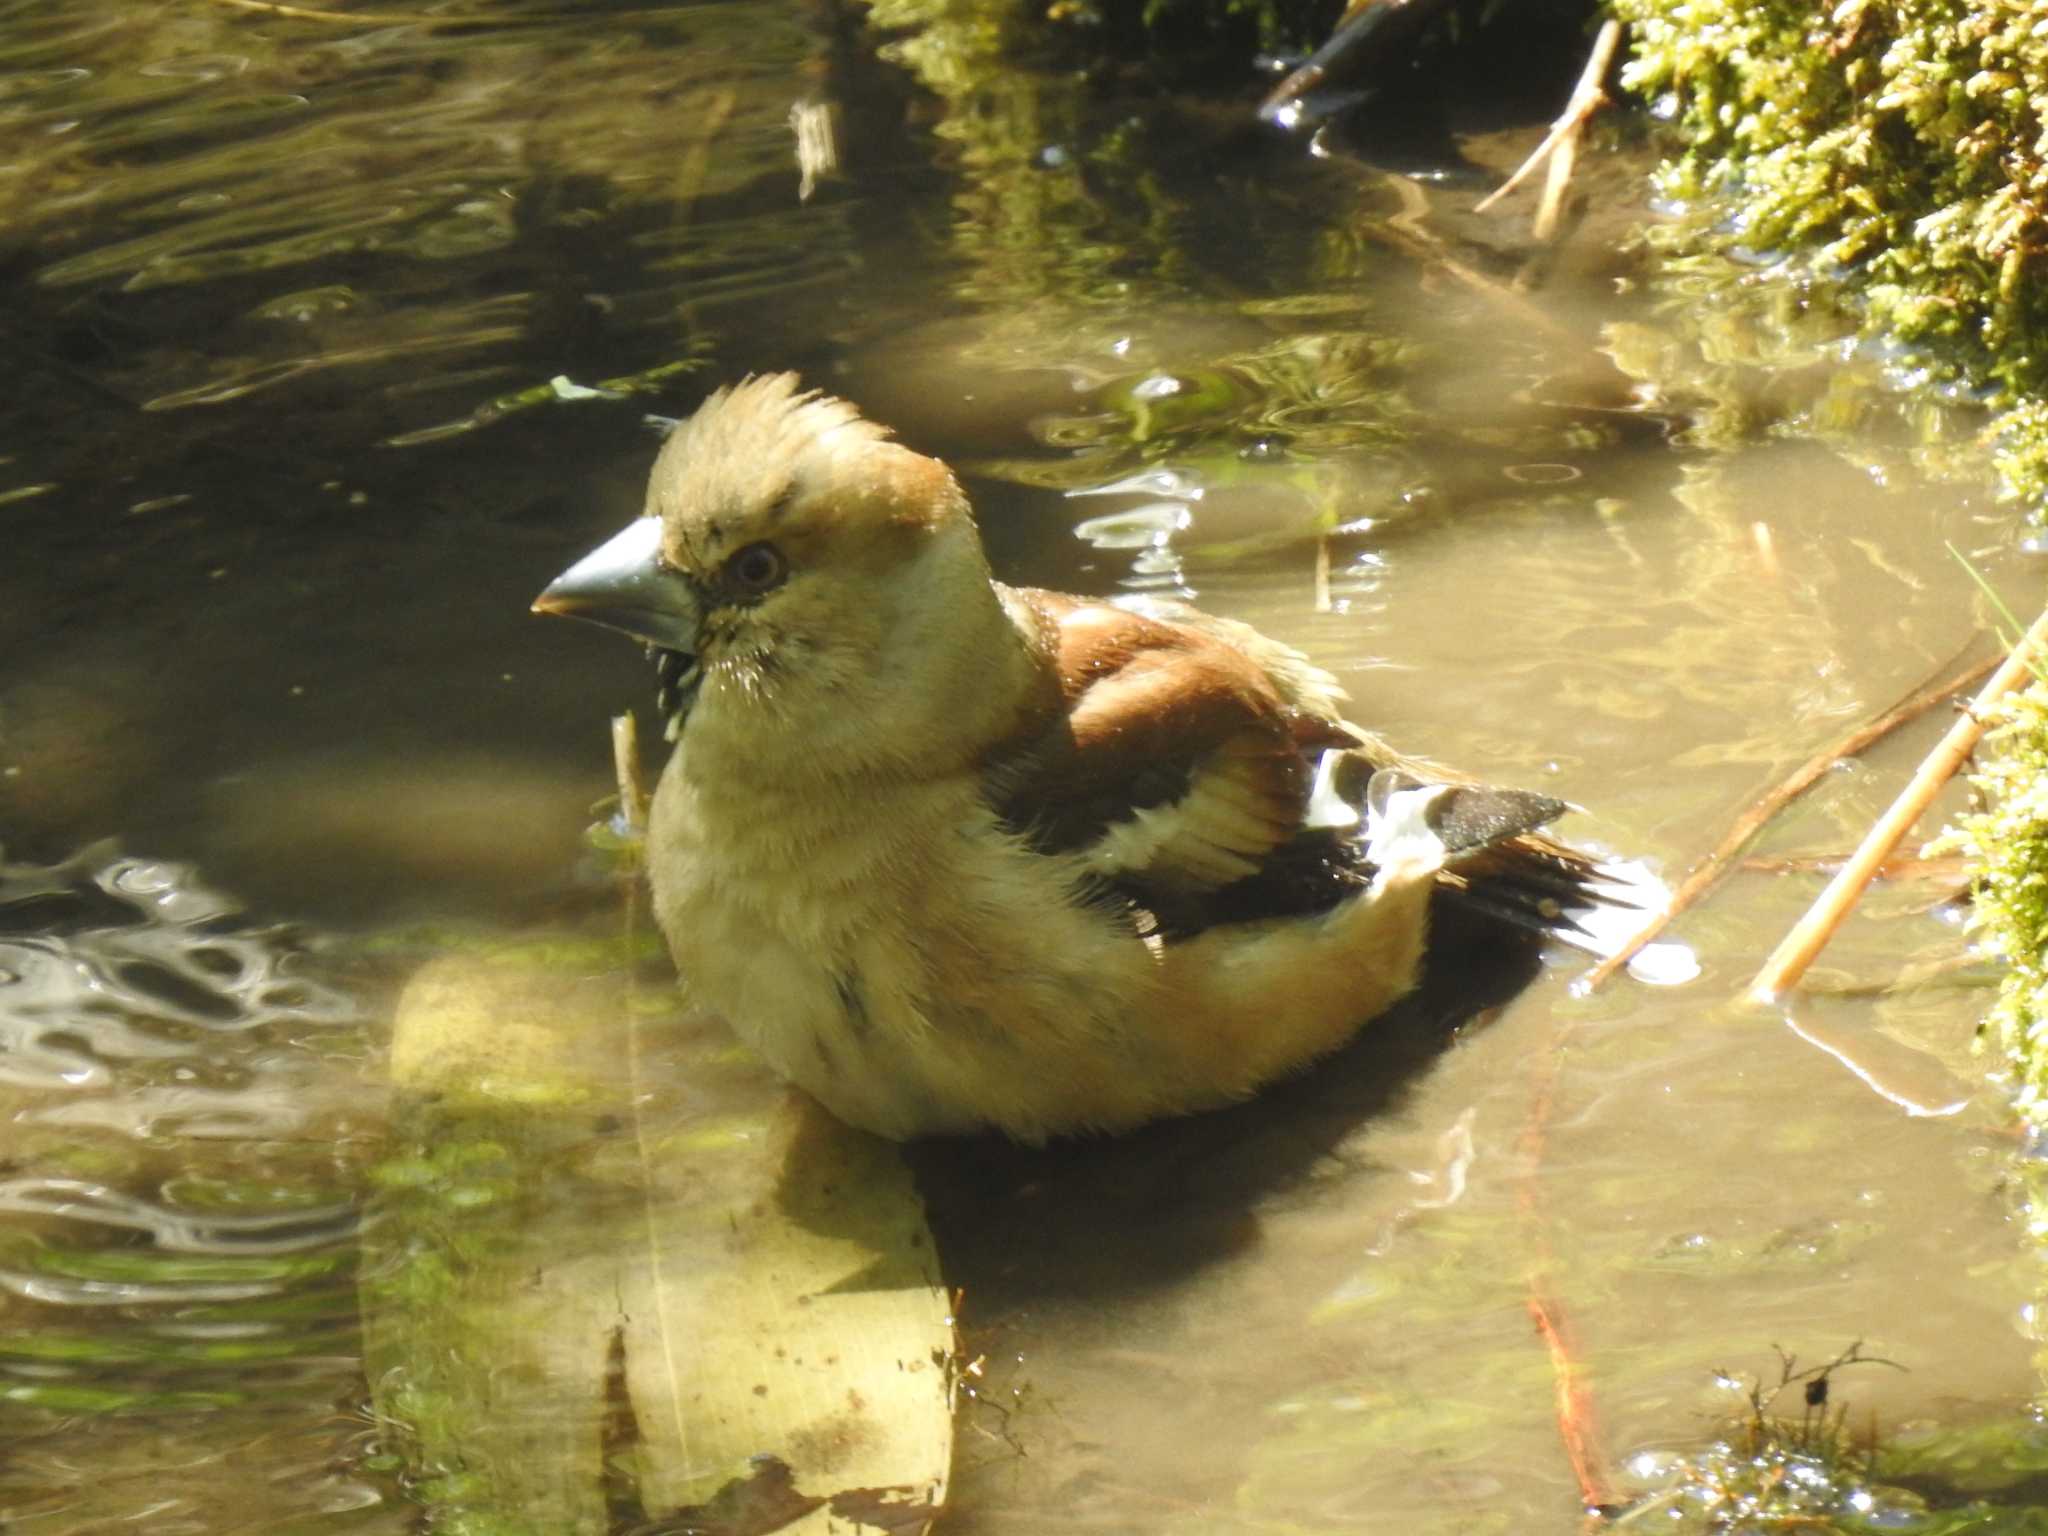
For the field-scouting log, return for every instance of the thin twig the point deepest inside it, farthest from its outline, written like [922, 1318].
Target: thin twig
[359, 19]
[626, 767]
[1704, 874]
[497, 20]
[1792, 956]
[1561, 143]
[1587, 99]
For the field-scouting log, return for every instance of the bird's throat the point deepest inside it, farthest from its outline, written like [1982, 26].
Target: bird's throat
[677, 677]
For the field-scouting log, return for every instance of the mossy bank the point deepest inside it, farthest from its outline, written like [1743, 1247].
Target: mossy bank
[1896, 150]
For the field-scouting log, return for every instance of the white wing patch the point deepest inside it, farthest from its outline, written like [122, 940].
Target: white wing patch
[1218, 832]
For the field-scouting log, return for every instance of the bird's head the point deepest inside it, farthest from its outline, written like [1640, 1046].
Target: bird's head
[801, 578]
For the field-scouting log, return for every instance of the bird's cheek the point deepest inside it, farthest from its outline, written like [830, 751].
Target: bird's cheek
[719, 635]
[733, 651]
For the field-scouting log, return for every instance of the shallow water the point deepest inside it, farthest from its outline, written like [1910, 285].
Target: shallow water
[281, 472]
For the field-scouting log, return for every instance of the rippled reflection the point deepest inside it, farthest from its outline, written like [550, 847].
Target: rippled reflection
[142, 967]
[178, 1218]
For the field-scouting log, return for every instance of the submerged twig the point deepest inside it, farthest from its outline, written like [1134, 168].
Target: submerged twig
[1577, 1426]
[1921, 973]
[1561, 145]
[1575, 1423]
[1709, 870]
[1811, 933]
[1406, 231]
[1949, 866]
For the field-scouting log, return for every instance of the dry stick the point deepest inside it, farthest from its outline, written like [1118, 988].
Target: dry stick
[1555, 183]
[1563, 137]
[1710, 869]
[1792, 956]
[1587, 98]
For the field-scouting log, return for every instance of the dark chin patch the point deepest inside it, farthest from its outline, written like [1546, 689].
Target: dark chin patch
[677, 676]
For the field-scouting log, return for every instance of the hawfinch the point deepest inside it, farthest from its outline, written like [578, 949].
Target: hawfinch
[952, 854]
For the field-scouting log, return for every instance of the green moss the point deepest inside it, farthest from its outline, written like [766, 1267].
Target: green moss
[1900, 149]
[2008, 841]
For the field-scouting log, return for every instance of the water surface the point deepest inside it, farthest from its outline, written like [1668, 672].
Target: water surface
[282, 467]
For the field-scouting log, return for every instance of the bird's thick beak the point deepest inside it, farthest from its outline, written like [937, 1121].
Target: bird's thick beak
[623, 585]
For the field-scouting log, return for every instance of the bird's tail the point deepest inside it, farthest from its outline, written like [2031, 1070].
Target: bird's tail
[1534, 882]
[1495, 859]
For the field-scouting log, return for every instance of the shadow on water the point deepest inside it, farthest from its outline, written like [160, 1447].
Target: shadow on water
[1119, 1218]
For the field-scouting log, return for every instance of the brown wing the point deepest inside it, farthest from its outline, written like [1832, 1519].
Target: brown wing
[1172, 762]
[1175, 753]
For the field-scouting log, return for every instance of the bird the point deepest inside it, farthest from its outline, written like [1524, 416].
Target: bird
[957, 856]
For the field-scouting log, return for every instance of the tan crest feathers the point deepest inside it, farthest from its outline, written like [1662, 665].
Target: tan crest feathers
[777, 405]
[768, 458]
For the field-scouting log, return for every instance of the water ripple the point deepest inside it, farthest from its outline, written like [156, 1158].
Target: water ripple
[107, 959]
[291, 1231]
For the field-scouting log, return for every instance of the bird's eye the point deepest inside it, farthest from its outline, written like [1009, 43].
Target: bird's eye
[757, 568]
